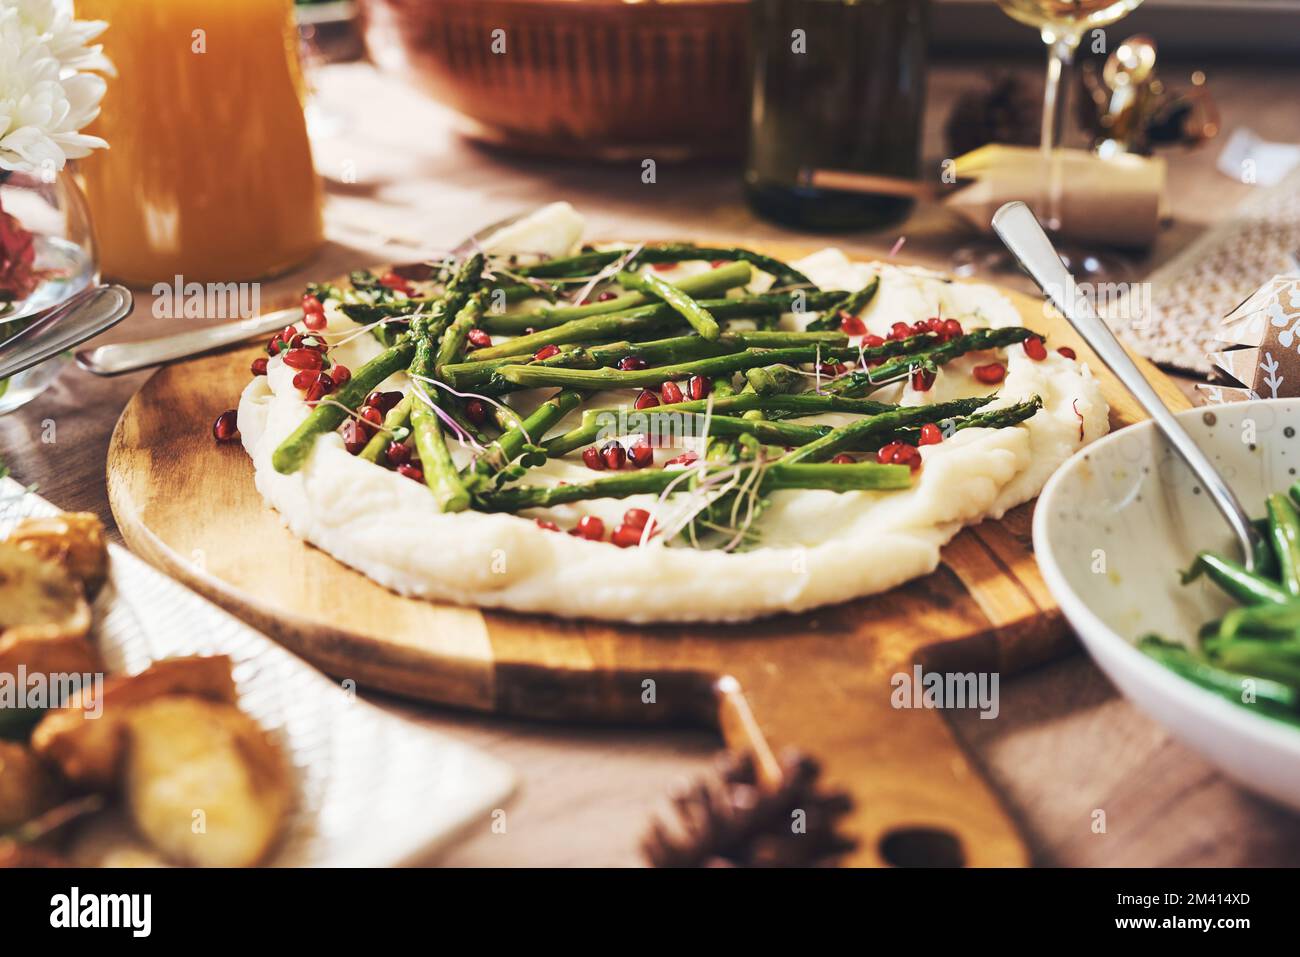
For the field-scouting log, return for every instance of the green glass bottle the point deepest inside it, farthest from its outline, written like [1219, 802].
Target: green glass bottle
[837, 85]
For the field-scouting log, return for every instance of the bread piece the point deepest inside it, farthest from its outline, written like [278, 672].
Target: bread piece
[38, 598]
[74, 540]
[88, 750]
[26, 786]
[204, 783]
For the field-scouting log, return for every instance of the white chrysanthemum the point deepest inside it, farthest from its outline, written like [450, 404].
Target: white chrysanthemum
[46, 95]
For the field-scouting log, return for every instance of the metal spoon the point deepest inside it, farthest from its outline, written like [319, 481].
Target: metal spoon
[129, 356]
[1018, 228]
[70, 323]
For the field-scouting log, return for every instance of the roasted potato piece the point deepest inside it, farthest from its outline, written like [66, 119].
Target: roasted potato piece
[74, 540]
[45, 656]
[89, 750]
[26, 786]
[38, 598]
[204, 783]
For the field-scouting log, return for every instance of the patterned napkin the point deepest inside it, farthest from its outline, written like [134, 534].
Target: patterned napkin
[1175, 320]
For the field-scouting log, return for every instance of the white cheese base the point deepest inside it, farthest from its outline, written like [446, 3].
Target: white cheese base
[818, 547]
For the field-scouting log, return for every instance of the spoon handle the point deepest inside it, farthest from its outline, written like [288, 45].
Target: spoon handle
[1019, 230]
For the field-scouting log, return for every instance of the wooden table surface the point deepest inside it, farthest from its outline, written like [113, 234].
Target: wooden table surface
[1065, 744]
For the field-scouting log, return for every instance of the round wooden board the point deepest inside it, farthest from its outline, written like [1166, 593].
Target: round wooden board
[819, 681]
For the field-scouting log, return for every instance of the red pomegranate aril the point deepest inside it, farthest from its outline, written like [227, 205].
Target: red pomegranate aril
[631, 363]
[226, 427]
[872, 342]
[934, 324]
[606, 296]
[546, 525]
[900, 331]
[920, 327]
[399, 453]
[852, 325]
[354, 435]
[646, 400]
[259, 365]
[1068, 352]
[593, 460]
[315, 321]
[614, 455]
[931, 434]
[641, 454]
[476, 410]
[288, 332]
[413, 472]
[686, 458]
[625, 536]
[545, 352]
[1035, 349]
[719, 263]
[990, 374]
[273, 347]
[907, 455]
[322, 387]
[698, 386]
[478, 338]
[304, 379]
[834, 368]
[844, 459]
[922, 380]
[396, 283]
[371, 416]
[303, 359]
[383, 401]
[884, 454]
[311, 304]
[663, 267]
[671, 393]
[342, 375]
[591, 528]
[951, 329]
[636, 517]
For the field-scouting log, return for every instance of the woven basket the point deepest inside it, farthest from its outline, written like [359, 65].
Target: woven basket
[594, 78]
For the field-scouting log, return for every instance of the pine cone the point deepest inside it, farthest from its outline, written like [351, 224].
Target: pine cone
[731, 821]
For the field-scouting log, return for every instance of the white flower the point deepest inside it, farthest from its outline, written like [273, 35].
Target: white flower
[46, 94]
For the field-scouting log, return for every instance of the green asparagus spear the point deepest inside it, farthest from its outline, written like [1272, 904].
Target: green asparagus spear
[329, 413]
[701, 319]
[994, 419]
[835, 478]
[856, 434]
[452, 346]
[852, 304]
[714, 281]
[398, 417]
[593, 261]
[435, 458]
[1284, 533]
[509, 446]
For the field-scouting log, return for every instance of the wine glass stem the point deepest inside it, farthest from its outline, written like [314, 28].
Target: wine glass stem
[1060, 60]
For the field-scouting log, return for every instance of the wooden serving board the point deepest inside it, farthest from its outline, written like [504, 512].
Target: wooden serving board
[819, 681]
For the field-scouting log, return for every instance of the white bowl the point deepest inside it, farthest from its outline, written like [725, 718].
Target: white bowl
[1113, 528]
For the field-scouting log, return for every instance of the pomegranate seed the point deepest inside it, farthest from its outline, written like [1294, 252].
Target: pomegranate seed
[641, 454]
[605, 296]
[844, 459]
[591, 528]
[372, 416]
[931, 434]
[478, 338]
[671, 393]
[686, 458]
[591, 456]
[952, 329]
[899, 453]
[922, 380]
[920, 327]
[273, 347]
[259, 365]
[990, 374]
[476, 410]
[636, 517]
[631, 363]
[226, 427]
[342, 375]
[323, 386]
[288, 332]
[872, 342]
[311, 304]
[614, 454]
[545, 352]
[315, 321]
[399, 453]
[303, 359]
[354, 435]
[625, 536]
[698, 386]
[395, 283]
[546, 525]
[1068, 352]
[934, 324]
[304, 379]
[886, 452]
[719, 263]
[834, 368]
[900, 331]
[663, 267]
[647, 400]
[1035, 349]
[383, 401]
[851, 325]
[413, 472]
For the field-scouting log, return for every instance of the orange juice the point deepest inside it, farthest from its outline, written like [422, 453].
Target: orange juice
[208, 174]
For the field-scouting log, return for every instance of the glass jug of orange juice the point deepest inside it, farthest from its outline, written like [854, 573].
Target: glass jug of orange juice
[208, 174]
